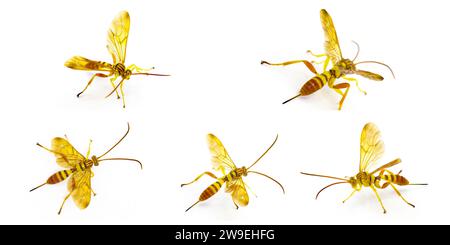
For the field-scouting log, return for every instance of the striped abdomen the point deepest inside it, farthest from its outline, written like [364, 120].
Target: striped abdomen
[64, 174]
[212, 189]
[59, 176]
[316, 82]
[394, 179]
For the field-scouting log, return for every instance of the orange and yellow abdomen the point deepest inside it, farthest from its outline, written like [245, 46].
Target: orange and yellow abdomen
[211, 190]
[59, 176]
[215, 187]
[64, 174]
[388, 178]
[394, 179]
[317, 82]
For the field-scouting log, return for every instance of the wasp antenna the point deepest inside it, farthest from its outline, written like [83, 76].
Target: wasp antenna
[115, 88]
[380, 63]
[121, 158]
[267, 176]
[324, 176]
[150, 74]
[317, 195]
[270, 147]
[357, 53]
[118, 142]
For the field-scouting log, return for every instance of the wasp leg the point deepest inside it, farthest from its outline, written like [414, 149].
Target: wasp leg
[248, 187]
[325, 62]
[398, 193]
[339, 92]
[331, 84]
[237, 207]
[134, 67]
[198, 177]
[112, 80]
[307, 64]
[90, 81]
[89, 149]
[52, 151]
[121, 92]
[65, 199]
[93, 192]
[115, 89]
[315, 55]
[345, 86]
[378, 197]
[380, 177]
[351, 194]
[351, 79]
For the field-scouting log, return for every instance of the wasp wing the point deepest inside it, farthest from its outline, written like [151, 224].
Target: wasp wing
[80, 187]
[372, 146]
[219, 155]
[118, 37]
[370, 75]
[81, 63]
[332, 48]
[238, 192]
[66, 155]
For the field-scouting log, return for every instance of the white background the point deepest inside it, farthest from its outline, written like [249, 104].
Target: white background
[213, 51]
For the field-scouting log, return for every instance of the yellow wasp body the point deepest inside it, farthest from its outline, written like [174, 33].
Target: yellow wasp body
[341, 66]
[233, 180]
[372, 148]
[78, 169]
[117, 47]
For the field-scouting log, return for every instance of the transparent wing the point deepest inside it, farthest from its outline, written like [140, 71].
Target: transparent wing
[372, 147]
[66, 155]
[118, 37]
[332, 48]
[370, 75]
[81, 63]
[239, 193]
[230, 186]
[219, 155]
[80, 186]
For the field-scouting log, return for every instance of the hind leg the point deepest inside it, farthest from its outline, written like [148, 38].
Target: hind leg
[62, 205]
[237, 207]
[198, 177]
[345, 86]
[307, 64]
[400, 195]
[90, 81]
